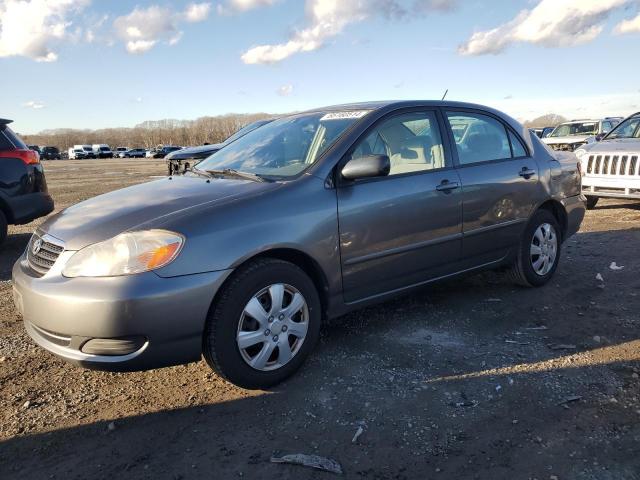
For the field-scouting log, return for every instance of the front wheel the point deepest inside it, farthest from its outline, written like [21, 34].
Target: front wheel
[592, 202]
[538, 252]
[263, 325]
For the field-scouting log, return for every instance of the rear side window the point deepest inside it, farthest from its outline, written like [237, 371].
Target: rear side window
[479, 138]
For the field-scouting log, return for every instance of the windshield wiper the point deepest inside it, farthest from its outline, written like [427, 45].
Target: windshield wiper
[230, 172]
[200, 173]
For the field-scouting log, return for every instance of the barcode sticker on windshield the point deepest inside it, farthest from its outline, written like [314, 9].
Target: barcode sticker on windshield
[345, 115]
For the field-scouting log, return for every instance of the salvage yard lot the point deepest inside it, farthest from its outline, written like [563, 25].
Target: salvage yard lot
[471, 378]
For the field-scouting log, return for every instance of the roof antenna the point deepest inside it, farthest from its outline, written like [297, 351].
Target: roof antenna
[445, 94]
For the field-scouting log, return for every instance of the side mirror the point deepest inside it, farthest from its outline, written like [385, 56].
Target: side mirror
[367, 167]
[600, 136]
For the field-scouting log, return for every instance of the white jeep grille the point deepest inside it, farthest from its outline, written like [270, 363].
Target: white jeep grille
[42, 252]
[626, 165]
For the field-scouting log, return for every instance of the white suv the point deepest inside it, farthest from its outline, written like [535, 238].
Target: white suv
[611, 167]
[570, 136]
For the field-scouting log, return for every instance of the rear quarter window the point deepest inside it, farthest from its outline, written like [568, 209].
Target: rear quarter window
[5, 144]
[14, 139]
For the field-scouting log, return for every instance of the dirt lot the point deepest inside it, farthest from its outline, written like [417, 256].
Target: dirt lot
[473, 378]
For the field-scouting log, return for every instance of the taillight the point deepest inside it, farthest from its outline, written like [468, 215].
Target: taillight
[27, 156]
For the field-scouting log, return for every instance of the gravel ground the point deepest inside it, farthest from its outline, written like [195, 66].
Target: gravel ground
[472, 378]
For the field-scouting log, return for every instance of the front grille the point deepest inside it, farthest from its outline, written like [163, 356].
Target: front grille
[42, 253]
[565, 147]
[618, 165]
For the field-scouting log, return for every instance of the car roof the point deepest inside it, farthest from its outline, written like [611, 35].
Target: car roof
[377, 105]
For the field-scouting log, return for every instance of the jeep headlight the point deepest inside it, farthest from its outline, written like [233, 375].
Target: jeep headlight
[580, 152]
[125, 254]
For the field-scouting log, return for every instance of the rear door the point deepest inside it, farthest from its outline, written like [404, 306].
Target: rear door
[403, 229]
[500, 184]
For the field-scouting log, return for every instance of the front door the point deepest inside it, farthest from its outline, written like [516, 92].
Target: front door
[403, 229]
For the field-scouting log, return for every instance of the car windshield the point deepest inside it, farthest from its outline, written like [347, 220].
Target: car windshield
[104, 149]
[283, 148]
[246, 129]
[575, 128]
[630, 128]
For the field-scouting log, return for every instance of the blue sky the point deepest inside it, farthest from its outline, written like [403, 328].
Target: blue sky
[110, 65]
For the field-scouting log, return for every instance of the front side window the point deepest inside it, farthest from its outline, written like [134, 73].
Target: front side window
[412, 141]
[285, 147]
[479, 138]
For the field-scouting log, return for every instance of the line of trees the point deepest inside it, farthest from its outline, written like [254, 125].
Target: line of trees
[180, 132]
[149, 134]
[549, 120]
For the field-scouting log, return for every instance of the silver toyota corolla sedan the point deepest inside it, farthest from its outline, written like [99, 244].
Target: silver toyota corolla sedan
[306, 218]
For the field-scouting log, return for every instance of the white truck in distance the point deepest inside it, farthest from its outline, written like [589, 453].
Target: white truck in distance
[570, 136]
[102, 150]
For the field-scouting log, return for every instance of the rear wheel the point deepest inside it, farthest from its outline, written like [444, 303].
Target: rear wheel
[3, 228]
[264, 324]
[592, 202]
[539, 251]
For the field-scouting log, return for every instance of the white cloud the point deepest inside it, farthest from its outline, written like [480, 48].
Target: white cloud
[328, 18]
[285, 90]
[629, 26]
[143, 28]
[32, 28]
[232, 6]
[34, 105]
[551, 23]
[197, 12]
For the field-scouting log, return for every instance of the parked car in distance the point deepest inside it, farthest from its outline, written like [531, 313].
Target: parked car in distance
[77, 154]
[87, 149]
[162, 151]
[120, 151]
[307, 218]
[35, 148]
[612, 166]
[102, 150]
[183, 159]
[23, 187]
[570, 136]
[135, 153]
[50, 153]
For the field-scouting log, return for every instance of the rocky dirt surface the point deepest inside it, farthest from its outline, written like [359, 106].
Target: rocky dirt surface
[473, 378]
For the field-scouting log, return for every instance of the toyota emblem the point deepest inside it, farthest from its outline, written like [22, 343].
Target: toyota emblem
[37, 245]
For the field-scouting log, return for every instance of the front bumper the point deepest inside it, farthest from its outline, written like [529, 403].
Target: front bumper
[163, 318]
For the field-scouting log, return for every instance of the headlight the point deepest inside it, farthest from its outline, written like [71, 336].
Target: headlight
[580, 152]
[125, 254]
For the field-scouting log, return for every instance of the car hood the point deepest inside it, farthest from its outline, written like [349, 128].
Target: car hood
[571, 139]
[616, 145]
[105, 216]
[192, 152]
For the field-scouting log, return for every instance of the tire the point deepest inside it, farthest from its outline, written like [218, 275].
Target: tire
[228, 319]
[523, 270]
[592, 202]
[3, 228]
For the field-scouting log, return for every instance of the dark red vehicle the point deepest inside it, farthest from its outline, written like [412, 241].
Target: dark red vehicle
[23, 188]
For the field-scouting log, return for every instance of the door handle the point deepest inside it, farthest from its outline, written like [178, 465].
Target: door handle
[447, 186]
[527, 173]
